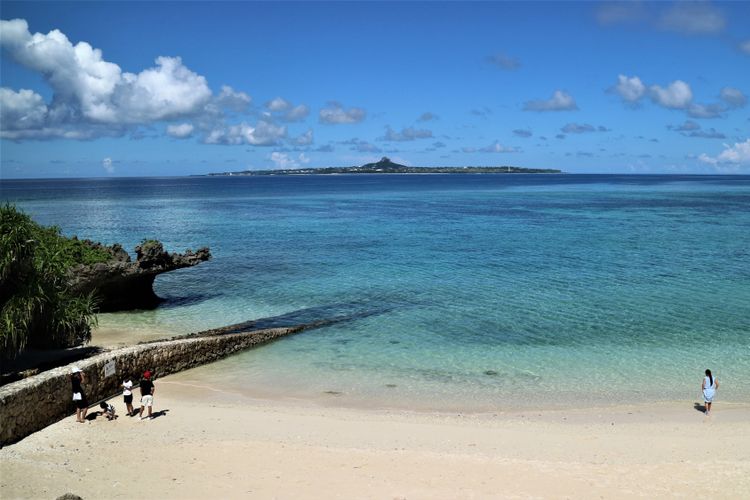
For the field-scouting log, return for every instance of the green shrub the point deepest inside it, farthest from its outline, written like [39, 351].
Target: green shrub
[37, 308]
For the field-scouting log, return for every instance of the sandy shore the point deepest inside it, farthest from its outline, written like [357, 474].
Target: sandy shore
[211, 444]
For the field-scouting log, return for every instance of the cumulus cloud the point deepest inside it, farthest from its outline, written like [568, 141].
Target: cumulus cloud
[560, 101]
[631, 89]
[496, 147]
[286, 111]
[361, 146]
[180, 131]
[733, 97]
[107, 165]
[522, 133]
[92, 96]
[283, 161]
[504, 61]
[688, 126]
[482, 112]
[578, 128]
[427, 116]
[687, 18]
[677, 95]
[231, 99]
[21, 110]
[264, 133]
[406, 134]
[737, 154]
[305, 139]
[693, 18]
[711, 133]
[335, 113]
[705, 110]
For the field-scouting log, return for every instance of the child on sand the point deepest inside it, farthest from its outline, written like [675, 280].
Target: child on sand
[108, 410]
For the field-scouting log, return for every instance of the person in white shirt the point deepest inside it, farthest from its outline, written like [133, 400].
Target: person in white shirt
[127, 395]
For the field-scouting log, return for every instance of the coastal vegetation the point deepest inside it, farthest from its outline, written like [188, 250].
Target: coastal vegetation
[52, 286]
[37, 306]
[386, 166]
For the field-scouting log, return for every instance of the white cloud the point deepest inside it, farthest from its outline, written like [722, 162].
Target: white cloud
[278, 104]
[693, 18]
[560, 101]
[21, 110]
[305, 139]
[737, 154]
[745, 46]
[705, 110]
[107, 165]
[427, 116]
[286, 111]
[262, 134]
[578, 128]
[283, 161]
[677, 95]
[335, 114]
[181, 131]
[733, 97]
[94, 97]
[406, 134]
[631, 89]
[232, 99]
[496, 147]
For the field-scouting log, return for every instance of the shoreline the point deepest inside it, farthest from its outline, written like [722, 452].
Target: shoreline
[207, 441]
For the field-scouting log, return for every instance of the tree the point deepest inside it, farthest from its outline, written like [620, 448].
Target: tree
[37, 307]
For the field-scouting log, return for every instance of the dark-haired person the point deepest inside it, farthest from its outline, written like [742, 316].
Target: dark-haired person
[709, 386]
[77, 377]
[147, 394]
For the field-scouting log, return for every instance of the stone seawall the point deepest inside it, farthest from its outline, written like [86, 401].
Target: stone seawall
[31, 404]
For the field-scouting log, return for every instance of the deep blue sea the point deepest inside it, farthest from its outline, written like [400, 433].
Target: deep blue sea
[473, 292]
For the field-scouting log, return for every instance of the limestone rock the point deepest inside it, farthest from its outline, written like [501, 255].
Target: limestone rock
[122, 284]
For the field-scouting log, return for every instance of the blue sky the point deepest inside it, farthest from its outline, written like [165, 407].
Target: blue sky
[160, 88]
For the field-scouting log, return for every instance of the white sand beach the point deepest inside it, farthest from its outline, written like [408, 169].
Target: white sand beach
[207, 443]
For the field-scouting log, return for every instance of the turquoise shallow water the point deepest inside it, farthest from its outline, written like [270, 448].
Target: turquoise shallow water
[472, 292]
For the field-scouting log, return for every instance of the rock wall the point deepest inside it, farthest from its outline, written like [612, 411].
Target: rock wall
[33, 403]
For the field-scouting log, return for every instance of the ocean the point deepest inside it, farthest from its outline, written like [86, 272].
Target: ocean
[450, 292]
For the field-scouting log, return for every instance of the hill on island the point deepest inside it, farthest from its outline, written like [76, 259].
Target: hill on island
[386, 166]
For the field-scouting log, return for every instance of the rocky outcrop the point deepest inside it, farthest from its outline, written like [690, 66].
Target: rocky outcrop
[121, 284]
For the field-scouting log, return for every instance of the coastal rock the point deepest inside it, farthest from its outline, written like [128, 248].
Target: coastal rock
[122, 284]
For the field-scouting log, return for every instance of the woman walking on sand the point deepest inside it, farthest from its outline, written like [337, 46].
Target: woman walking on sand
[77, 377]
[709, 386]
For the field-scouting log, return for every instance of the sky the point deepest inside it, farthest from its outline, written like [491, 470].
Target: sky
[180, 88]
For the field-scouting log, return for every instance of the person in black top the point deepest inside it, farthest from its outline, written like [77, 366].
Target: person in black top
[147, 393]
[77, 377]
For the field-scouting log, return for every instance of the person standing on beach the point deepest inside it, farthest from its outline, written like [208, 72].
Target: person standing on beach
[127, 395]
[709, 386]
[147, 394]
[77, 378]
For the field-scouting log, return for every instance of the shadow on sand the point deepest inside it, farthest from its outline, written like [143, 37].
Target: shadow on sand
[699, 407]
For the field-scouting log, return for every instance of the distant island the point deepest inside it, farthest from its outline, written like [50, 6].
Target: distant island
[386, 166]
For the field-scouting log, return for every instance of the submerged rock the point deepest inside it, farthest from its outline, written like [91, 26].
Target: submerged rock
[122, 284]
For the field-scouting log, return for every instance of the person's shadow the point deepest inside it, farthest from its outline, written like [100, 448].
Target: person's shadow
[159, 413]
[699, 407]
